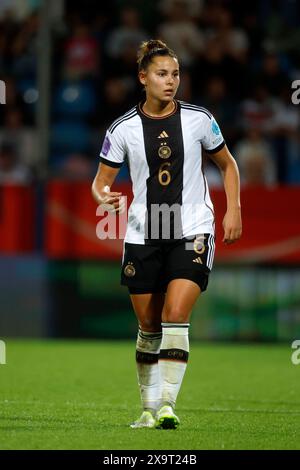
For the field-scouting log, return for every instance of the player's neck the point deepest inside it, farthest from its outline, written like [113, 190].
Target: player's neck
[158, 108]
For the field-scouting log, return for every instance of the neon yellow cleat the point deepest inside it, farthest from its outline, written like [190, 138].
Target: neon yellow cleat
[166, 418]
[145, 421]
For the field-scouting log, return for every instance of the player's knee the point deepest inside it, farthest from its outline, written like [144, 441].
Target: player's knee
[172, 314]
[149, 325]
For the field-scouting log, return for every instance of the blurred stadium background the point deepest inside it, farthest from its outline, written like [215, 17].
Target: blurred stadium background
[69, 70]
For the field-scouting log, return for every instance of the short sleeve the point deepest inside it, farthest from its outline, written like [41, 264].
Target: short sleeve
[212, 140]
[113, 149]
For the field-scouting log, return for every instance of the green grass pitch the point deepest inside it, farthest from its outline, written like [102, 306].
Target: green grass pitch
[83, 395]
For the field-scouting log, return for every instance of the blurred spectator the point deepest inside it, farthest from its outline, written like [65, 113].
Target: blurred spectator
[286, 118]
[193, 7]
[281, 26]
[24, 48]
[116, 99]
[23, 139]
[258, 110]
[127, 36]
[18, 9]
[125, 69]
[271, 77]
[12, 171]
[234, 40]
[181, 34]
[121, 49]
[81, 53]
[254, 31]
[5, 7]
[215, 62]
[8, 31]
[236, 61]
[75, 166]
[215, 98]
[254, 158]
[185, 91]
[286, 137]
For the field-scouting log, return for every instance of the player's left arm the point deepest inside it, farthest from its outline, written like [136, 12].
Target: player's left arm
[232, 222]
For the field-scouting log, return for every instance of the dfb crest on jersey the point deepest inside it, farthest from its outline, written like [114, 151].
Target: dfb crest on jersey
[164, 151]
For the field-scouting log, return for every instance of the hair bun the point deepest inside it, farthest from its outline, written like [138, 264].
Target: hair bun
[155, 44]
[150, 48]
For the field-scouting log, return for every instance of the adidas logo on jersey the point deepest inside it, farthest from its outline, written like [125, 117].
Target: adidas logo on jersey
[163, 135]
[197, 260]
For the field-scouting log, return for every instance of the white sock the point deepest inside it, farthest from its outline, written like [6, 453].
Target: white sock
[147, 352]
[173, 357]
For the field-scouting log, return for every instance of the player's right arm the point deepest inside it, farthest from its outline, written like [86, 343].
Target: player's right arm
[104, 179]
[111, 159]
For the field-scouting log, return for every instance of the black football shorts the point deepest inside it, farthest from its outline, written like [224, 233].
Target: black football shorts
[149, 268]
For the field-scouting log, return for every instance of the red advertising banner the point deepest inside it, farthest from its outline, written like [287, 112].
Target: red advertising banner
[71, 223]
[17, 219]
[271, 225]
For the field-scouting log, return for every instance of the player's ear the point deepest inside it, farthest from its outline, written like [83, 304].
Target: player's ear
[142, 77]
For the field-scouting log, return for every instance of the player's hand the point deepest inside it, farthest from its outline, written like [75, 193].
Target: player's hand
[111, 201]
[232, 225]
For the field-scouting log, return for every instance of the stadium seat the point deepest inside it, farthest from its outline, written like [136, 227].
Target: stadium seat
[68, 136]
[28, 89]
[76, 99]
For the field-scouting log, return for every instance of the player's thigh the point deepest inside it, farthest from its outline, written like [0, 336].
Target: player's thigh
[190, 258]
[187, 268]
[141, 268]
[148, 309]
[181, 297]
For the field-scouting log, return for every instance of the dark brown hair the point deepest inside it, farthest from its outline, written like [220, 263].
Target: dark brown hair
[150, 49]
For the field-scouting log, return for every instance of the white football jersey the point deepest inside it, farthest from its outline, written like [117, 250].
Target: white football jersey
[171, 196]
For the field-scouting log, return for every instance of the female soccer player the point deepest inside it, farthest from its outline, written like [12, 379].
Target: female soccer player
[169, 243]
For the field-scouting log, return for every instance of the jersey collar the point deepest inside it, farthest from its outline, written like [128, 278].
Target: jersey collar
[142, 113]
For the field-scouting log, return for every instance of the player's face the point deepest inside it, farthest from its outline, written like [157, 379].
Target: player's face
[161, 79]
